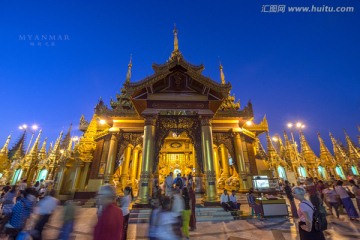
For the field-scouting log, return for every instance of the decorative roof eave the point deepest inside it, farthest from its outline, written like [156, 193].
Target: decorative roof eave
[259, 128]
[148, 81]
[118, 112]
[173, 62]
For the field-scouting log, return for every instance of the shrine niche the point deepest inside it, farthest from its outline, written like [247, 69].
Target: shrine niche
[178, 124]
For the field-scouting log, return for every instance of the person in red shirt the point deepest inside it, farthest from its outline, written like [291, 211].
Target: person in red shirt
[110, 217]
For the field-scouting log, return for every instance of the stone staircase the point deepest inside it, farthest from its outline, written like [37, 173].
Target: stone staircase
[203, 214]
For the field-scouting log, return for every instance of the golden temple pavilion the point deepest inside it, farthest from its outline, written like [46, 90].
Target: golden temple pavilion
[176, 120]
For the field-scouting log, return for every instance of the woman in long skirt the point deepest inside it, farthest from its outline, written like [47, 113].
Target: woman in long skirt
[346, 201]
[356, 191]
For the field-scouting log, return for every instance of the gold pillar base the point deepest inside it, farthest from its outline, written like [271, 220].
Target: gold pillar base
[211, 192]
[144, 188]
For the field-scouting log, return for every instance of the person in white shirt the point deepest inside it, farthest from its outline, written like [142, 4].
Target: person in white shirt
[233, 201]
[225, 201]
[331, 198]
[169, 185]
[305, 212]
[45, 208]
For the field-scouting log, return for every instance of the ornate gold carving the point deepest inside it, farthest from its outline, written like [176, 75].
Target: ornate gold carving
[178, 124]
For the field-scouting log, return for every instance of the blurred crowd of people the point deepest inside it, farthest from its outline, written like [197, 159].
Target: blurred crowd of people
[172, 215]
[315, 196]
[19, 202]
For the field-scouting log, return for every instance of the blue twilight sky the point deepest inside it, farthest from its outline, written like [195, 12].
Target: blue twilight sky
[293, 66]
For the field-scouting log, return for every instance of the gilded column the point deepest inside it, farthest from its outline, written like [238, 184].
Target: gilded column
[138, 171]
[60, 177]
[134, 167]
[125, 167]
[147, 159]
[83, 176]
[240, 161]
[216, 163]
[110, 163]
[224, 161]
[208, 157]
[78, 165]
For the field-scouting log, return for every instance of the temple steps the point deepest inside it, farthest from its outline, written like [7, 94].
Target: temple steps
[203, 214]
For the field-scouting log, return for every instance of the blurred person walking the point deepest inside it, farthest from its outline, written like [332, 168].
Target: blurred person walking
[346, 201]
[186, 212]
[68, 220]
[45, 208]
[125, 204]
[110, 217]
[330, 197]
[167, 223]
[356, 191]
[9, 201]
[156, 209]
[20, 213]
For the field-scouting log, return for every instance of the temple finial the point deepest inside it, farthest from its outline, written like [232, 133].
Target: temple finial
[128, 75]
[176, 52]
[222, 75]
[176, 41]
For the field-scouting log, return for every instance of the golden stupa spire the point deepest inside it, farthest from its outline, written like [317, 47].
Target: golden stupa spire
[270, 146]
[128, 74]
[176, 51]
[42, 153]
[5, 148]
[222, 75]
[35, 147]
[308, 156]
[339, 154]
[325, 155]
[354, 154]
[176, 41]
[56, 146]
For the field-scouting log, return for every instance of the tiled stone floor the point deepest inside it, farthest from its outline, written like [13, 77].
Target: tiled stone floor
[272, 228]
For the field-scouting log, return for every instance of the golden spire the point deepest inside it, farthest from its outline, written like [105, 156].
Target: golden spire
[354, 154]
[325, 155]
[306, 151]
[4, 149]
[273, 156]
[270, 146]
[35, 147]
[176, 41]
[222, 76]
[42, 153]
[128, 74]
[339, 154]
[56, 147]
[176, 51]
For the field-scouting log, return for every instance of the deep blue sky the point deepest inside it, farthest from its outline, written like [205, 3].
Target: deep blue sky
[293, 66]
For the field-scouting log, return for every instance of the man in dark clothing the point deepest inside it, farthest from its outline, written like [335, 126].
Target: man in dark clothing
[288, 192]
